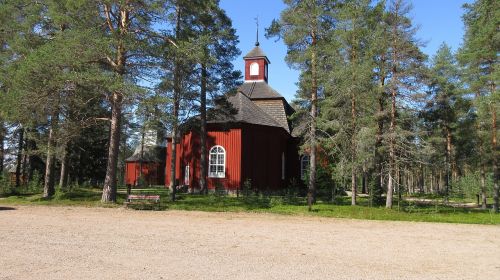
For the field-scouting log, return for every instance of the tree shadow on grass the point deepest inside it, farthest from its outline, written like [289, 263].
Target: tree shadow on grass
[19, 194]
[80, 195]
[219, 203]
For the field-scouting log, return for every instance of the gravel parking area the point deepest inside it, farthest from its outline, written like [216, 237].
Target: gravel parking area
[39, 242]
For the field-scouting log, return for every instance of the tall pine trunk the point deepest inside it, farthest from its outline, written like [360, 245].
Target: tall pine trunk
[395, 61]
[118, 65]
[392, 131]
[109, 189]
[311, 194]
[63, 178]
[353, 150]
[376, 192]
[25, 164]
[364, 180]
[173, 162]
[392, 152]
[176, 101]
[482, 172]
[203, 131]
[448, 161]
[2, 148]
[482, 165]
[19, 156]
[48, 186]
[139, 183]
[496, 175]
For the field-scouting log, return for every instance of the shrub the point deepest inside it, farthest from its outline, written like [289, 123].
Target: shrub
[5, 187]
[469, 185]
[35, 184]
[276, 201]
[247, 190]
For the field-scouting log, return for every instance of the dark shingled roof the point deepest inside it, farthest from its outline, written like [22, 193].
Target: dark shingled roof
[259, 90]
[150, 153]
[245, 111]
[276, 109]
[255, 53]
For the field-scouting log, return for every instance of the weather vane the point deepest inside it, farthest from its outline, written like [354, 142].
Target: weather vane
[257, 23]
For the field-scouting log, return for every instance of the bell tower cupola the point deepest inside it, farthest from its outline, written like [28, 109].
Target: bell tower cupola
[256, 64]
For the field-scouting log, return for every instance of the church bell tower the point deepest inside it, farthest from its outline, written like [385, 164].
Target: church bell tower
[256, 63]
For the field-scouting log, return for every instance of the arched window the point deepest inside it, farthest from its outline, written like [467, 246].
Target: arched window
[217, 162]
[254, 69]
[305, 162]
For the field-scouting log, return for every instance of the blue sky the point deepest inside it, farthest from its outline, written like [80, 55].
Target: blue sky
[438, 21]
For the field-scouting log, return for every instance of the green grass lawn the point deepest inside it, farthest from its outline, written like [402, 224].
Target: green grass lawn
[409, 211]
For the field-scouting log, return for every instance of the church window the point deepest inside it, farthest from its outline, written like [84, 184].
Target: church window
[254, 69]
[217, 162]
[305, 162]
[186, 175]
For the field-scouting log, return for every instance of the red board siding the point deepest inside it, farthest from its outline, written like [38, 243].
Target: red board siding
[252, 152]
[188, 153]
[262, 69]
[151, 171]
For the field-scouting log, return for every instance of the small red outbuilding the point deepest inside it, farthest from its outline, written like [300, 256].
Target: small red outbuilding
[146, 166]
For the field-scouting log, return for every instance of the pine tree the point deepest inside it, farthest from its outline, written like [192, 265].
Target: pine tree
[349, 84]
[303, 26]
[178, 63]
[128, 27]
[444, 90]
[18, 37]
[379, 48]
[479, 55]
[218, 42]
[405, 61]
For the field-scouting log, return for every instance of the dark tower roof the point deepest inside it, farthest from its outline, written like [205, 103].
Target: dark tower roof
[255, 102]
[256, 52]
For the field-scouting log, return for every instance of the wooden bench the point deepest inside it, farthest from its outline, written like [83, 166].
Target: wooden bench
[142, 199]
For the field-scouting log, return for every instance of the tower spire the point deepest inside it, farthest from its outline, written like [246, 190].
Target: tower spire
[257, 23]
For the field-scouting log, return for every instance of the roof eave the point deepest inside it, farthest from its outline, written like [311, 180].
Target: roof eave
[257, 57]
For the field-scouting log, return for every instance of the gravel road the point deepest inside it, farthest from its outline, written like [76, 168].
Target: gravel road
[101, 243]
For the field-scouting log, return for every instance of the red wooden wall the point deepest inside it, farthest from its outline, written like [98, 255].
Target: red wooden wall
[262, 69]
[151, 171]
[252, 152]
[188, 152]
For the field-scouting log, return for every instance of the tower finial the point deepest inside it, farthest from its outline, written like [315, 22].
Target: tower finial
[257, 23]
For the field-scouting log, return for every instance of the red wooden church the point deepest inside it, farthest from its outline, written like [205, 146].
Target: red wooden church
[254, 143]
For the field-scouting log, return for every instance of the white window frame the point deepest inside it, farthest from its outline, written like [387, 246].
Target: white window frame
[303, 169]
[217, 151]
[254, 69]
[186, 175]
